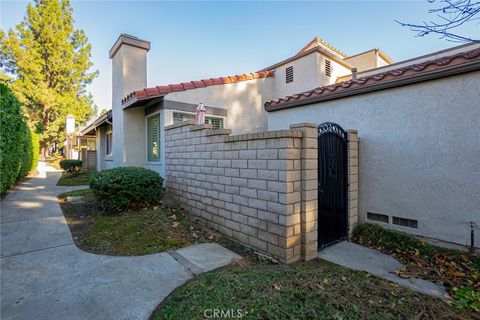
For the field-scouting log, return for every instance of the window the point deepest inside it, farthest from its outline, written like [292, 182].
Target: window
[217, 123]
[153, 138]
[328, 68]
[405, 222]
[180, 117]
[108, 143]
[289, 74]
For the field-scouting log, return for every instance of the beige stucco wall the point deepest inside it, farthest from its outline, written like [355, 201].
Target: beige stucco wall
[243, 100]
[129, 73]
[364, 61]
[104, 161]
[419, 152]
[308, 73]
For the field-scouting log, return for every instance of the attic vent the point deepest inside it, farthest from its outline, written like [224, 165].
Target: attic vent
[289, 74]
[377, 217]
[328, 68]
[405, 222]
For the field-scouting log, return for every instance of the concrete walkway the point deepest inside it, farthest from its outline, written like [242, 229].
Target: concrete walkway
[361, 258]
[45, 276]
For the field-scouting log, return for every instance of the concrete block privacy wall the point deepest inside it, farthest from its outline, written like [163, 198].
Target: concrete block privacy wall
[259, 189]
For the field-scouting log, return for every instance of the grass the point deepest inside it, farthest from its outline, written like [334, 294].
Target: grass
[79, 180]
[305, 290]
[76, 193]
[133, 232]
[54, 162]
[458, 271]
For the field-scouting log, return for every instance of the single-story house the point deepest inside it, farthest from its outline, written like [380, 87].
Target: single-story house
[140, 113]
[399, 142]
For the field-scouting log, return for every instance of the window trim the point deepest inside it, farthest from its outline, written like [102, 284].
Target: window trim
[194, 114]
[160, 140]
[109, 132]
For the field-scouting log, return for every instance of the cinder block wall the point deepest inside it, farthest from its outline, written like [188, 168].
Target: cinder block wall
[249, 187]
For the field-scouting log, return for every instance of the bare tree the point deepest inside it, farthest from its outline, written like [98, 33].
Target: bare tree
[450, 14]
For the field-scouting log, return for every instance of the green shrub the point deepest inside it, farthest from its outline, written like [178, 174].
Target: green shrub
[73, 167]
[125, 188]
[35, 150]
[16, 154]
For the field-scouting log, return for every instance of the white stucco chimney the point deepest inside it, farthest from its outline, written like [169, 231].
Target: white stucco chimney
[129, 66]
[129, 73]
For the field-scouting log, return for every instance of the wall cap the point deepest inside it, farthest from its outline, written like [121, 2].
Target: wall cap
[266, 135]
[181, 124]
[128, 40]
[303, 125]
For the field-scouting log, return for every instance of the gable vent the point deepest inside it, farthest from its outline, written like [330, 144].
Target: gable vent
[404, 222]
[328, 68]
[289, 74]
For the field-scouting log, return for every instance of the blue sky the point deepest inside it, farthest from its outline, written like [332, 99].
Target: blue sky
[195, 40]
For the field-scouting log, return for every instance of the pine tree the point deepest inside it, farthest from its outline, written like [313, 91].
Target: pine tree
[50, 61]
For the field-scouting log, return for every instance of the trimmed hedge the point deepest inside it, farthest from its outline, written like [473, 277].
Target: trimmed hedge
[73, 167]
[19, 147]
[125, 188]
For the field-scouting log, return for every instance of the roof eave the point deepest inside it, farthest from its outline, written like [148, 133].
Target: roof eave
[440, 73]
[143, 101]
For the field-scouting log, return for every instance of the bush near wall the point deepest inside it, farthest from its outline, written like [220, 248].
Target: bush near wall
[19, 147]
[72, 167]
[125, 188]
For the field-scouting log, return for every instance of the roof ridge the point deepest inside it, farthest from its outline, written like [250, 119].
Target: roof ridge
[317, 40]
[182, 86]
[406, 71]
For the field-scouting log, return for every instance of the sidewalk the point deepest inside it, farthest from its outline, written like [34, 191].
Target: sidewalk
[45, 276]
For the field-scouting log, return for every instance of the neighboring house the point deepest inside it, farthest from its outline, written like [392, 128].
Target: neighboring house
[135, 135]
[419, 154]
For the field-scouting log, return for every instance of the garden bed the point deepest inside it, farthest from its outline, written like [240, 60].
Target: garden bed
[458, 271]
[157, 229]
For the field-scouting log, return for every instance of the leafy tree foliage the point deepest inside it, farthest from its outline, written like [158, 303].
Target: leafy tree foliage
[50, 61]
[18, 146]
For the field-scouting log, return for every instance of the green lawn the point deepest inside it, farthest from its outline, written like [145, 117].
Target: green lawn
[133, 232]
[79, 180]
[304, 290]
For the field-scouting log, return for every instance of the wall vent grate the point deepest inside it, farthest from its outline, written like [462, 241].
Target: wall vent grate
[328, 68]
[404, 222]
[377, 217]
[289, 74]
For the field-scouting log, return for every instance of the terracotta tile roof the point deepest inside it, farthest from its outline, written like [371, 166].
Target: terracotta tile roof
[162, 90]
[319, 42]
[453, 64]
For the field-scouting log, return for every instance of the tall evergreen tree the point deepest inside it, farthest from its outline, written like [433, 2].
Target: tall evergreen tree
[50, 61]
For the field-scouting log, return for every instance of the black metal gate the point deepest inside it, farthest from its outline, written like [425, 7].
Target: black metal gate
[332, 184]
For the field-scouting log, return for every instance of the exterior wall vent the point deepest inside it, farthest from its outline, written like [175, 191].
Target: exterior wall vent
[328, 68]
[289, 74]
[377, 217]
[404, 222]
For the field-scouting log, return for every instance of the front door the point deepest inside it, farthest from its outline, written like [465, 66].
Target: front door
[332, 184]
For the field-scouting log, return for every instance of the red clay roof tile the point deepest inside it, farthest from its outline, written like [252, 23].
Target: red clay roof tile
[411, 71]
[160, 90]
